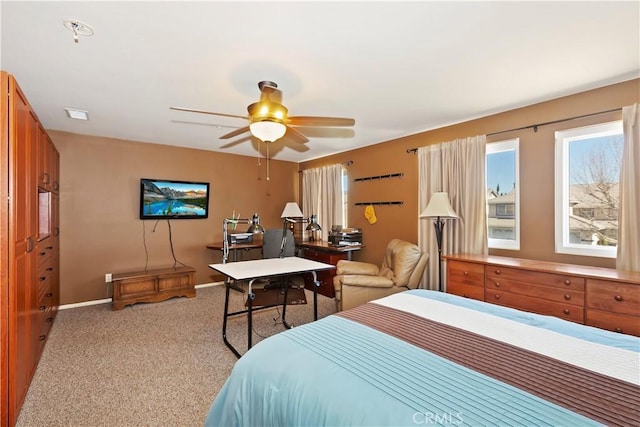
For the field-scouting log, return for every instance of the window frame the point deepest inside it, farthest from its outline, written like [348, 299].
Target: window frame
[498, 147]
[563, 138]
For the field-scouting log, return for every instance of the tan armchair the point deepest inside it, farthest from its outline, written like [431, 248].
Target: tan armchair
[359, 282]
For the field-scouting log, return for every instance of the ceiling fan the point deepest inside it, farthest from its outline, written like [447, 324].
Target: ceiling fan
[269, 120]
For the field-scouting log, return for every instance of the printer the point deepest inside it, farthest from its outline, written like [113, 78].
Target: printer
[345, 237]
[239, 238]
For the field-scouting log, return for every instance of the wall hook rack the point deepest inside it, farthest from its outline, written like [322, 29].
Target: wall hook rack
[397, 203]
[371, 178]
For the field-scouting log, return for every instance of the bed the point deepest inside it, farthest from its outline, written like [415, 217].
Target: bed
[428, 358]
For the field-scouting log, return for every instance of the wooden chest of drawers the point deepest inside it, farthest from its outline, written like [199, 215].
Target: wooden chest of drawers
[614, 306]
[465, 279]
[545, 293]
[600, 297]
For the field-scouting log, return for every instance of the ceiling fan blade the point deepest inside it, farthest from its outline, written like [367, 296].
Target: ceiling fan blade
[295, 135]
[236, 132]
[320, 121]
[192, 110]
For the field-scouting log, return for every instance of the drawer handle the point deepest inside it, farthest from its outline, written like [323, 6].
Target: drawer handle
[618, 298]
[49, 319]
[466, 273]
[498, 272]
[43, 253]
[566, 311]
[43, 337]
[497, 296]
[49, 295]
[42, 307]
[497, 284]
[49, 247]
[49, 268]
[567, 297]
[42, 278]
[567, 282]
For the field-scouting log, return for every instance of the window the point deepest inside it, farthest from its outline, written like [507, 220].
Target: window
[503, 195]
[587, 173]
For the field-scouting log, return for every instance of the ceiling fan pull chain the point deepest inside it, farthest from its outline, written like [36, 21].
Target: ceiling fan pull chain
[267, 162]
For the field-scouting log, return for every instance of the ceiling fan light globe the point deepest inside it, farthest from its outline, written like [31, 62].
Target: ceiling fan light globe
[267, 131]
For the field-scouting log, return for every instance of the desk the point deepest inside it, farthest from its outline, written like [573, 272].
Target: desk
[322, 251]
[260, 269]
[233, 248]
[324, 246]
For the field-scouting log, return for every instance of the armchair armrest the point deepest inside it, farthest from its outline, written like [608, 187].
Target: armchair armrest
[363, 281]
[356, 267]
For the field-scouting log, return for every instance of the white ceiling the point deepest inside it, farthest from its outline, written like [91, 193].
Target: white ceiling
[398, 68]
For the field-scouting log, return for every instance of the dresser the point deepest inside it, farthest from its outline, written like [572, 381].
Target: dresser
[601, 297]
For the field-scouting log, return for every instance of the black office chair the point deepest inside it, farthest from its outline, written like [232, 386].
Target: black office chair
[271, 245]
[272, 241]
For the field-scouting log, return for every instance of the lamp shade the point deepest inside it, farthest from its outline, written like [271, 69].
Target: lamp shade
[439, 206]
[291, 210]
[267, 131]
[313, 223]
[255, 226]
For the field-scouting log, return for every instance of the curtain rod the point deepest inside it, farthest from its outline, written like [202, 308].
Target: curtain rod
[347, 163]
[535, 126]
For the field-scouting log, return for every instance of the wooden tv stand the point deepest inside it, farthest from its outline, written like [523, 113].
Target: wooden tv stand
[152, 285]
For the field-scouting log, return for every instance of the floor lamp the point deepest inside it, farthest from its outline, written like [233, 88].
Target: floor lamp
[440, 209]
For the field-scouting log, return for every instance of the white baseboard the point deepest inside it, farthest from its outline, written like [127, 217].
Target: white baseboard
[108, 300]
[85, 303]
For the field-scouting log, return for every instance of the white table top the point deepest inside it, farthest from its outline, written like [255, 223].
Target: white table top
[253, 269]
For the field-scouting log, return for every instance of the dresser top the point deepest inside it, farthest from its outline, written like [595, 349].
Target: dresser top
[550, 267]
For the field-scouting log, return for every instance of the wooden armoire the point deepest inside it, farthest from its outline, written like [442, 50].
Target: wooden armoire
[29, 250]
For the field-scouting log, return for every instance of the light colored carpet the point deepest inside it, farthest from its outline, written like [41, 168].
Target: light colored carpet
[156, 364]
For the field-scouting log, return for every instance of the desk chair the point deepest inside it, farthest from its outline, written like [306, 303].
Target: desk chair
[271, 243]
[272, 240]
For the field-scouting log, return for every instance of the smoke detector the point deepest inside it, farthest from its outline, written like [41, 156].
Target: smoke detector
[78, 28]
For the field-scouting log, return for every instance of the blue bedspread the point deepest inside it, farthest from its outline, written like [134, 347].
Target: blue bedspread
[336, 372]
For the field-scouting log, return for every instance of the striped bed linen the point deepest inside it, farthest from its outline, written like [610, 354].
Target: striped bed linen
[427, 358]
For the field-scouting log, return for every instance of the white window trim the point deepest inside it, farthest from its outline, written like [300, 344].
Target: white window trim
[497, 147]
[563, 138]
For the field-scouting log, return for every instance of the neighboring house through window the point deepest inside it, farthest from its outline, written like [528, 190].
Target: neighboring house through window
[587, 174]
[503, 195]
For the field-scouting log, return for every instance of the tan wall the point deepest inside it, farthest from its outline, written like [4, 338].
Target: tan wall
[99, 205]
[536, 172]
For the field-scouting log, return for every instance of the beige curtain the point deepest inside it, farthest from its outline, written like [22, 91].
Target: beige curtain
[458, 168]
[322, 195]
[628, 257]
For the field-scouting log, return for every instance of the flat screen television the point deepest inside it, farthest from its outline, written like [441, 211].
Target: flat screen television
[162, 198]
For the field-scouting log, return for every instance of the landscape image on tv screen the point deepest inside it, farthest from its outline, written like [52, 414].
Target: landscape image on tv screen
[173, 199]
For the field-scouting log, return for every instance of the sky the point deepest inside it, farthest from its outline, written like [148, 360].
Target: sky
[501, 165]
[501, 171]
